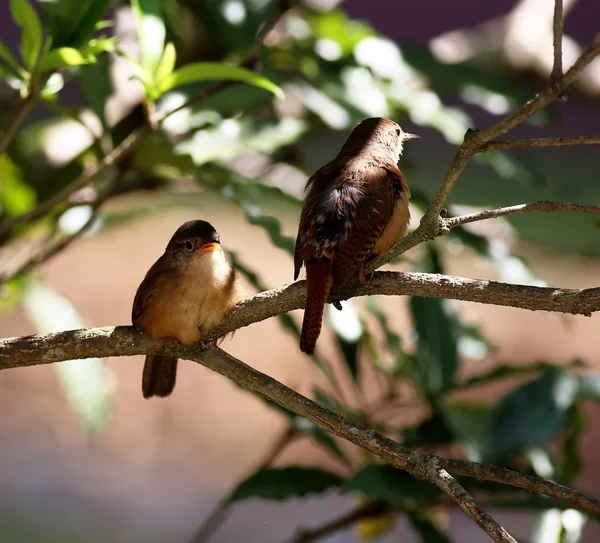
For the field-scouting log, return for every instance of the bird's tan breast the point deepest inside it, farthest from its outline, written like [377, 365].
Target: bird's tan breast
[194, 301]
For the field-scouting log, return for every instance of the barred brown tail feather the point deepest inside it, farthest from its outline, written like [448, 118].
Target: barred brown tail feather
[319, 281]
[159, 376]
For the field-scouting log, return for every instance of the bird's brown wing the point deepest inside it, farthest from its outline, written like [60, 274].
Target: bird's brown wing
[158, 272]
[371, 213]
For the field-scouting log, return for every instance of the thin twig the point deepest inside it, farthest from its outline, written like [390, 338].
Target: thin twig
[475, 142]
[541, 142]
[222, 509]
[448, 484]
[23, 110]
[535, 207]
[365, 511]
[557, 36]
[126, 340]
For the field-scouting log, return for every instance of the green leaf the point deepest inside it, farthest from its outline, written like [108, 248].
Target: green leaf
[87, 383]
[571, 464]
[31, 37]
[54, 84]
[16, 196]
[531, 414]
[427, 530]
[284, 483]
[167, 63]
[211, 71]
[62, 57]
[72, 22]
[94, 82]
[437, 354]
[386, 483]
[7, 56]
[505, 371]
[151, 33]
[469, 424]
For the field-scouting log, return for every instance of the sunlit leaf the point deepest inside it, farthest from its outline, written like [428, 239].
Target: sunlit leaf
[151, 33]
[16, 196]
[87, 383]
[284, 483]
[167, 62]
[27, 18]
[54, 84]
[61, 58]
[215, 71]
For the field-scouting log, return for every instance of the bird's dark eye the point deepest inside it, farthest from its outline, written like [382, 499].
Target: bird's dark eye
[189, 245]
[397, 132]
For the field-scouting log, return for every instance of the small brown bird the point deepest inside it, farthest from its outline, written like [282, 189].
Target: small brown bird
[187, 292]
[356, 206]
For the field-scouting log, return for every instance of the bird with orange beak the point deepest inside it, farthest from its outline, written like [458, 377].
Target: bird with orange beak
[188, 291]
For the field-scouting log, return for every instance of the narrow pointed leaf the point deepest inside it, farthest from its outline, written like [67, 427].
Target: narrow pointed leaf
[7, 56]
[284, 483]
[214, 71]
[61, 58]
[151, 32]
[27, 18]
[167, 63]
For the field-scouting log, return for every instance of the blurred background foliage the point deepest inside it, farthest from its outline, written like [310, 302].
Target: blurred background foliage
[92, 72]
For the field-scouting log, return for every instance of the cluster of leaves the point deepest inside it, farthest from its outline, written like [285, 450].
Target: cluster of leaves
[335, 71]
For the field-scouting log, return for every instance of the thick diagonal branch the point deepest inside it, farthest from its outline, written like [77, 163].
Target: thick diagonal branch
[125, 340]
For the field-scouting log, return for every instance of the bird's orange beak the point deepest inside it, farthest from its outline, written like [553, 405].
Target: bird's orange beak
[209, 247]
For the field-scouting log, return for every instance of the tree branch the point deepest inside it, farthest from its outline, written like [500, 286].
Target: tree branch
[125, 340]
[23, 110]
[557, 35]
[448, 484]
[475, 142]
[535, 207]
[541, 142]
[364, 511]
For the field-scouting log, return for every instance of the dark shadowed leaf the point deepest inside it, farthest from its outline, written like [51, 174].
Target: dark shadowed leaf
[505, 371]
[284, 483]
[571, 463]
[32, 37]
[531, 414]
[94, 81]
[426, 529]
[72, 22]
[437, 354]
[381, 482]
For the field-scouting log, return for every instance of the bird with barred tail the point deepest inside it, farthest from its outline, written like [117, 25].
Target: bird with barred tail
[188, 291]
[356, 207]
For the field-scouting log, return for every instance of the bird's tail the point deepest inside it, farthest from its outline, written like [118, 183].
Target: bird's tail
[159, 375]
[319, 280]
